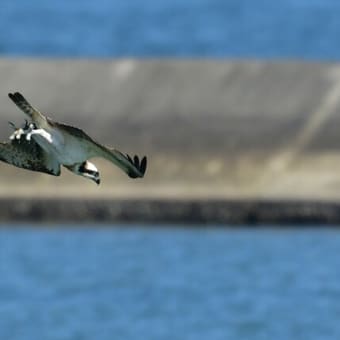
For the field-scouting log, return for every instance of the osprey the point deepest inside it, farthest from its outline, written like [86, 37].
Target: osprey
[44, 145]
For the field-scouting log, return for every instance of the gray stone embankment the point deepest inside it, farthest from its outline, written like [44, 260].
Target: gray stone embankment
[213, 130]
[210, 212]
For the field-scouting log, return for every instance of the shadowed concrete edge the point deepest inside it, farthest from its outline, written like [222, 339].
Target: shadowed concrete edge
[182, 212]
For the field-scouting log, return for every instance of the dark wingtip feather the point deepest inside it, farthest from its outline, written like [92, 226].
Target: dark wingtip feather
[143, 165]
[140, 165]
[136, 161]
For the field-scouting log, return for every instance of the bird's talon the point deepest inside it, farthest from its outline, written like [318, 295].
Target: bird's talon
[12, 125]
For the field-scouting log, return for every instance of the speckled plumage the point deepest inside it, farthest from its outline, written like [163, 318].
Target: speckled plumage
[28, 155]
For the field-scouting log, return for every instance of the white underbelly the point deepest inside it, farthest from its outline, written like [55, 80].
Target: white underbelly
[67, 152]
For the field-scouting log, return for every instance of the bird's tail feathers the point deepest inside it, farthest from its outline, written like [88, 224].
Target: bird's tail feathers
[20, 101]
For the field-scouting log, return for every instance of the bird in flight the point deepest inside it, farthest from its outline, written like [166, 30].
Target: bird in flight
[44, 145]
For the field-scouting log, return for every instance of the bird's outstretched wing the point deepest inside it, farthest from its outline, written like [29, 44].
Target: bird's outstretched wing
[28, 155]
[133, 167]
[20, 101]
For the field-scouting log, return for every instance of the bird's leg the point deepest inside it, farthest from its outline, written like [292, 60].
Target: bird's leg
[12, 125]
[18, 132]
[28, 130]
[40, 132]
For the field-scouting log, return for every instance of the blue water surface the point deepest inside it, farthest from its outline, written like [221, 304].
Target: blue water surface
[144, 283]
[307, 29]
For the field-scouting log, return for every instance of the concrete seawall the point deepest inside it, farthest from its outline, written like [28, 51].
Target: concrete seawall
[211, 129]
[179, 212]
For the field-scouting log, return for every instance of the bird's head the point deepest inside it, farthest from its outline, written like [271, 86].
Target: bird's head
[88, 170]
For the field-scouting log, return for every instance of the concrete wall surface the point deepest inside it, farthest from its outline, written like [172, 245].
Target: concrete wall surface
[218, 129]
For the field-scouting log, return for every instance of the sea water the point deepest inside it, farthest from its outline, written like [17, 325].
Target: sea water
[139, 282]
[162, 28]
